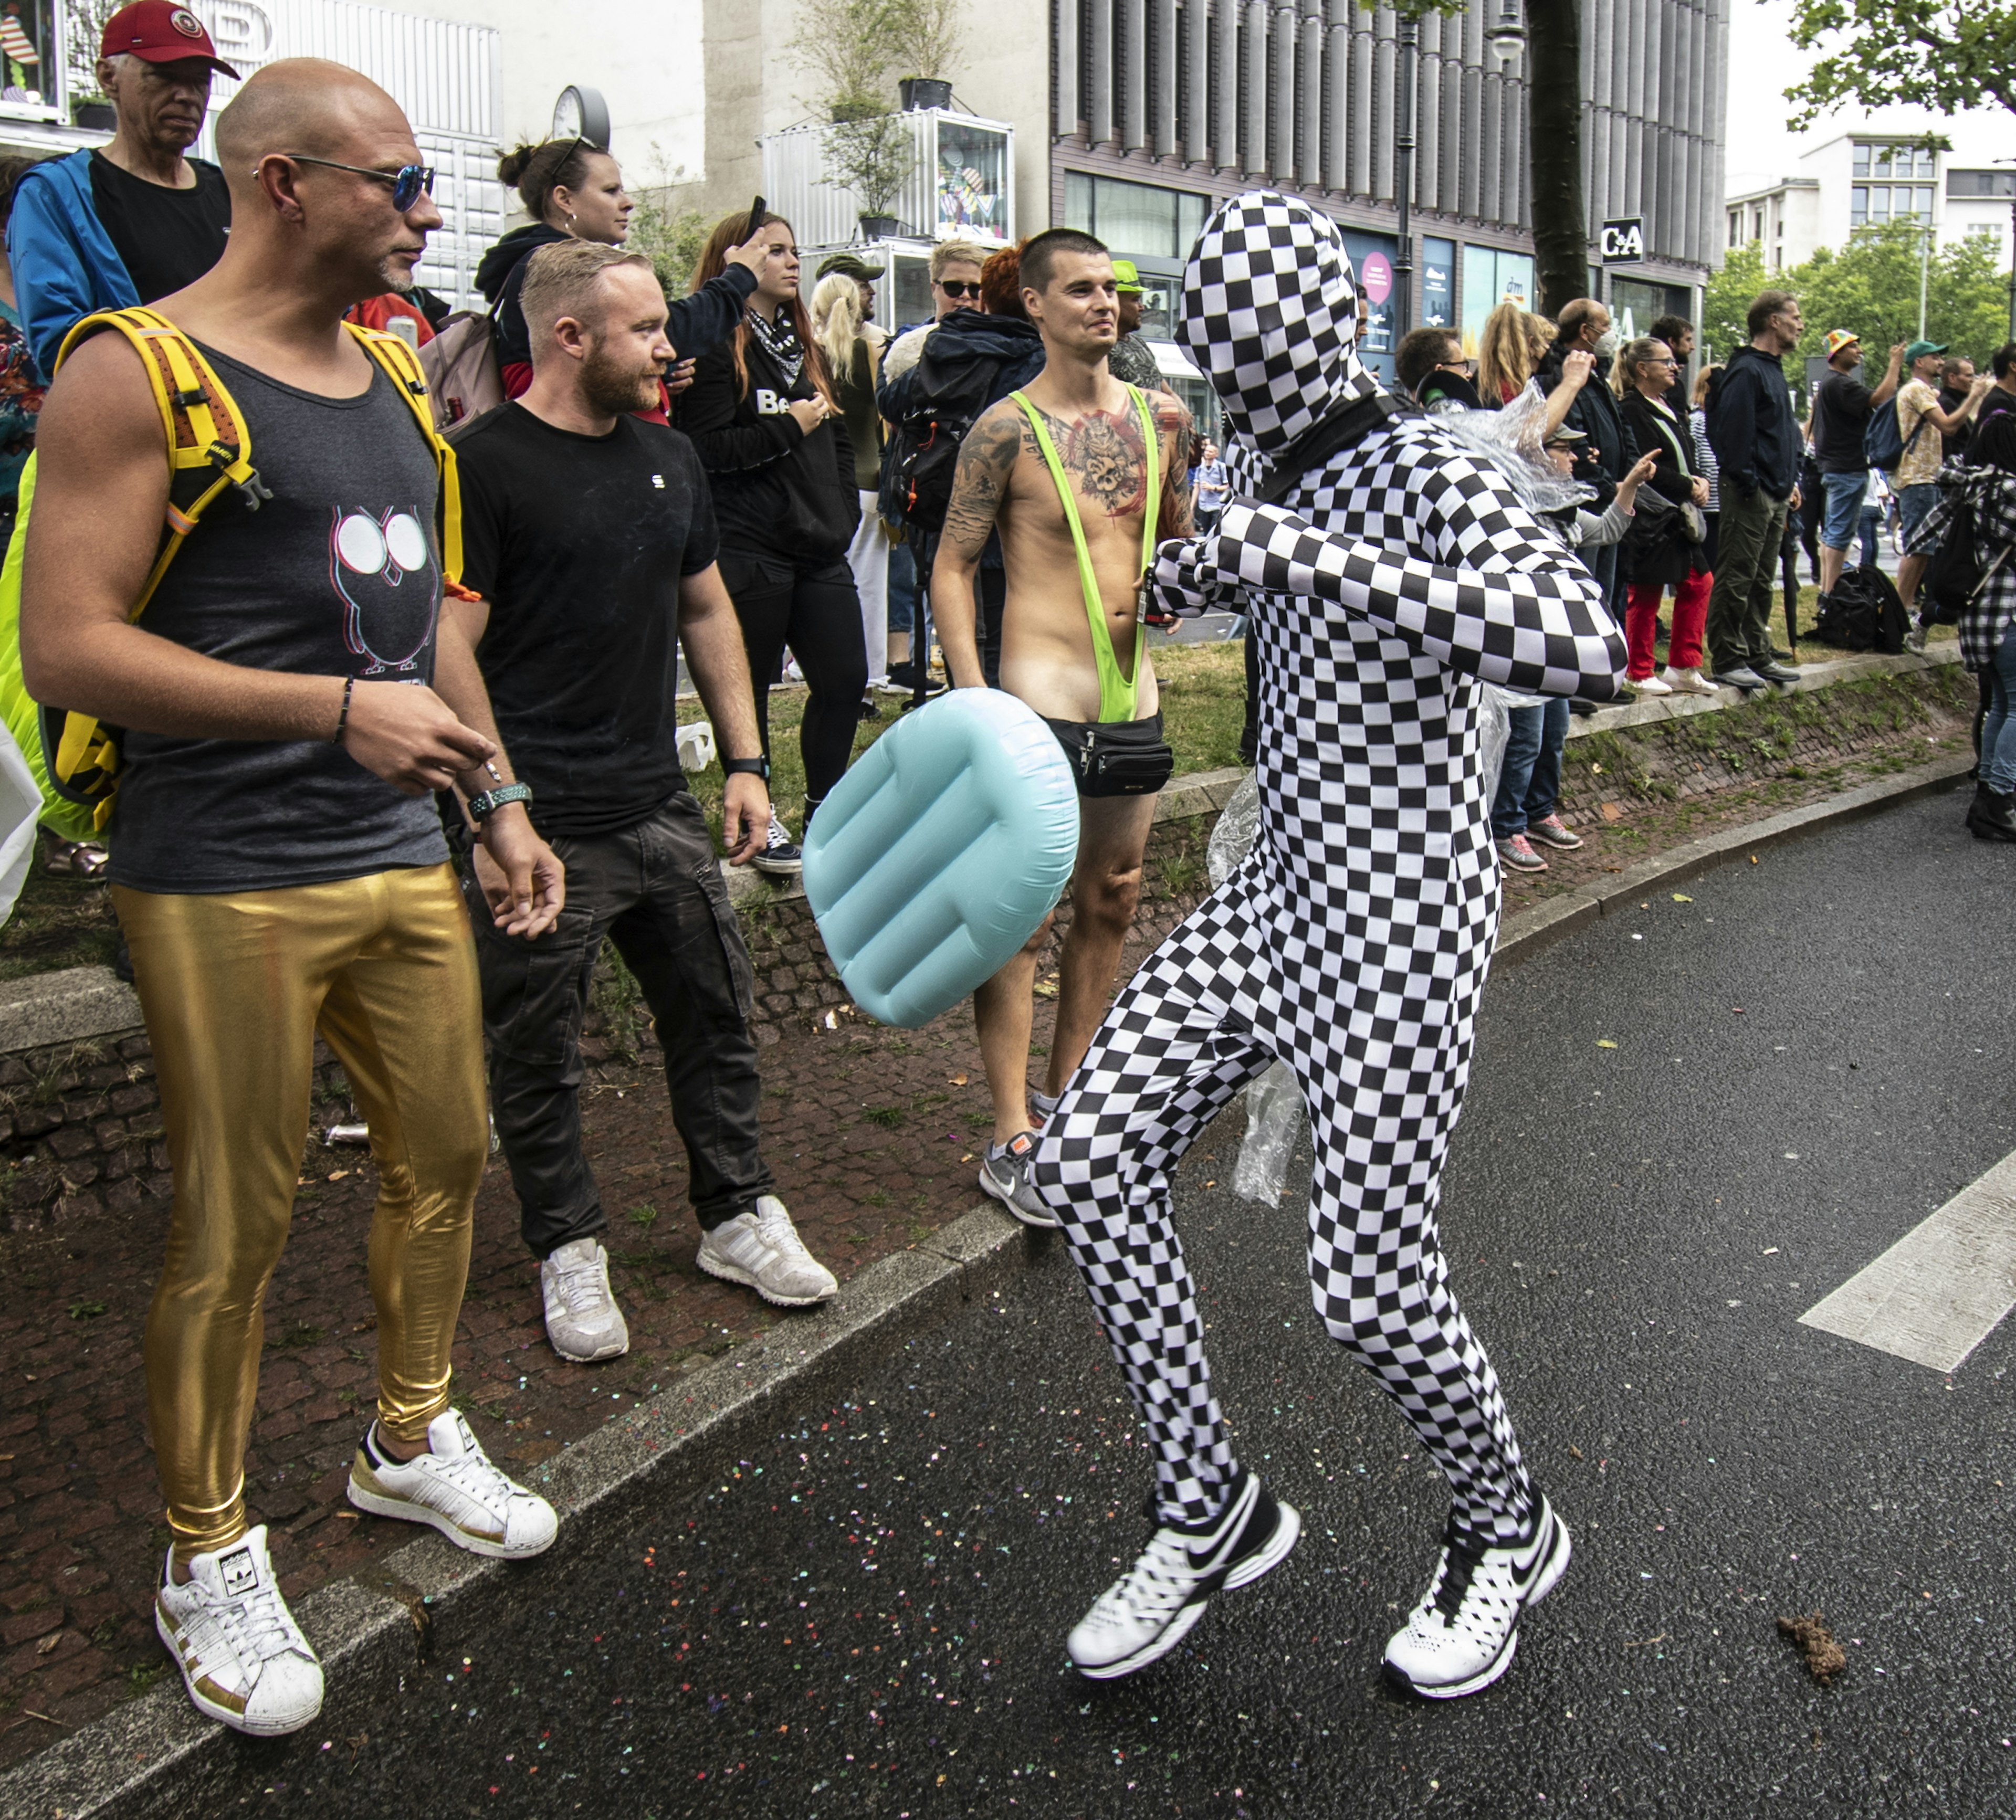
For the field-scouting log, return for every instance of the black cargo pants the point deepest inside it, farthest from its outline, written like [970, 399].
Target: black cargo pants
[656, 891]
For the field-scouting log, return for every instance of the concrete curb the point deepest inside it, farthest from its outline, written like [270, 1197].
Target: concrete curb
[65, 1007]
[156, 1756]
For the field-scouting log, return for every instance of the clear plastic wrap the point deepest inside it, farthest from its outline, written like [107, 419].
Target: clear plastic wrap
[1273, 1122]
[1495, 729]
[1273, 1104]
[1512, 439]
[1232, 840]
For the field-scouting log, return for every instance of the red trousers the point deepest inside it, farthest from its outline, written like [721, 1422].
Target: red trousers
[1641, 623]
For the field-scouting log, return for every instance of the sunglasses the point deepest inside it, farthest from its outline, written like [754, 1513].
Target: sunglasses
[409, 183]
[959, 287]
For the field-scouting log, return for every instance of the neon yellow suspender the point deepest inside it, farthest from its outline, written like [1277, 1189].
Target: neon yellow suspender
[1116, 693]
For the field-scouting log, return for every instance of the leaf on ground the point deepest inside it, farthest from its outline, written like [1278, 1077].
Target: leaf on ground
[1681, 898]
[958, 1080]
[1604, 1043]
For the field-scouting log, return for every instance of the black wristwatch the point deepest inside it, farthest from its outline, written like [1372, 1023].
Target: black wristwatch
[490, 801]
[745, 767]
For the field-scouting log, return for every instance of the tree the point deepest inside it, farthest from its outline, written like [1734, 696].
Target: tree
[1945, 55]
[1725, 302]
[927, 37]
[670, 238]
[1871, 286]
[1554, 141]
[846, 47]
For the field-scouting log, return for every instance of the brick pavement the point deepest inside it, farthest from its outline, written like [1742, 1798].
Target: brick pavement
[871, 1132]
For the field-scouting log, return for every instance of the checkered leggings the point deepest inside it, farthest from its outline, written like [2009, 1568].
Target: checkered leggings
[1379, 1039]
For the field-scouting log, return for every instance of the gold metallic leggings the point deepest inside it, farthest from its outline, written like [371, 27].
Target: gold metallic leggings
[235, 987]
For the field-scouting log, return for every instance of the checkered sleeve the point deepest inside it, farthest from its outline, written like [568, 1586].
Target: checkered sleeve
[1540, 628]
[1184, 582]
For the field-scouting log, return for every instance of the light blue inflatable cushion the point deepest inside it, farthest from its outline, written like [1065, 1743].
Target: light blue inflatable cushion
[940, 854]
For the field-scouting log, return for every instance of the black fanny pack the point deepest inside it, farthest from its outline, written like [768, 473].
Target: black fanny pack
[1116, 758]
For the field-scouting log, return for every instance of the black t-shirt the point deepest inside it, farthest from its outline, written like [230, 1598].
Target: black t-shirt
[166, 238]
[1841, 408]
[579, 544]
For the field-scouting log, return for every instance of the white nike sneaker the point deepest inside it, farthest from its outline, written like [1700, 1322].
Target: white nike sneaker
[1150, 1609]
[1464, 1634]
[243, 1658]
[456, 1488]
[762, 1249]
[582, 1319]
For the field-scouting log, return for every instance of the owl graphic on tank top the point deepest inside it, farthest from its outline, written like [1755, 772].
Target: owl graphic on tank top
[382, 565]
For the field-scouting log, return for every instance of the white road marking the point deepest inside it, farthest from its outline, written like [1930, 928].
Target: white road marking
[1939, 1291]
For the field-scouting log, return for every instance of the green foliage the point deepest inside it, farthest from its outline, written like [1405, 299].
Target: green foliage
[925, 37]
[1869, 286]
[1726, 304]
[871, 156]
[670, 238]
[1945, 55]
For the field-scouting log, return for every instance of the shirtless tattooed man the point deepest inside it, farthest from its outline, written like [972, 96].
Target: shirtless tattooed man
[1081, 475]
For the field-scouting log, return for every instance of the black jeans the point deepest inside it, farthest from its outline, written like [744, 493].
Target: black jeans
[990, 601]
[656, 890]
[815, 611]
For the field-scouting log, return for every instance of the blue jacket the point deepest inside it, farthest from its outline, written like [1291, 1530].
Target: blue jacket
[64, 264]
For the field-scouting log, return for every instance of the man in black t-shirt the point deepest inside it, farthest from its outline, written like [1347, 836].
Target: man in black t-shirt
[1841, 408]
[136, 220]
[590, 535]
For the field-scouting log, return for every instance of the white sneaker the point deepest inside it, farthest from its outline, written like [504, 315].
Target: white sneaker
[1685, 681]
[243, 1658]
[456, 1488]
[1151, 1608]
[1650, 685]
[582, 1319]
[1464, 1634]
[1914, 640]
[762, 1249]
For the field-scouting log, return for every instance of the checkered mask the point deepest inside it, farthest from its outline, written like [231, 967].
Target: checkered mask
[1270, 313]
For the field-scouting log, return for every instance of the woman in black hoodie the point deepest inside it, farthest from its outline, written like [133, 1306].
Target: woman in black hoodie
[763, 417]
[574, 191]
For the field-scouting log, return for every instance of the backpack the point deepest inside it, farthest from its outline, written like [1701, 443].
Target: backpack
[1863, 613]
[75, 759]
[923, 449]
[1956, 573]
[1883, 444]
[461, 368]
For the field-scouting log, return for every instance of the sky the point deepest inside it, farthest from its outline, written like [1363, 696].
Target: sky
[1763, 65]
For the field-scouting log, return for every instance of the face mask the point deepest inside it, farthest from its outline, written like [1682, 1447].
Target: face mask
[1606, 344]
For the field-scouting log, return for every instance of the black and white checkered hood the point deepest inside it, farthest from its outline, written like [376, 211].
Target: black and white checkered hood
[1270, 316]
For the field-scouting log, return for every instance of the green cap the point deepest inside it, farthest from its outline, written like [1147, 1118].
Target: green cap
[1125, 277]
[1918, 349]
[851, 264]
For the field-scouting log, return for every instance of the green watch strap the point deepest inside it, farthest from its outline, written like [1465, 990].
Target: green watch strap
[1117, 694]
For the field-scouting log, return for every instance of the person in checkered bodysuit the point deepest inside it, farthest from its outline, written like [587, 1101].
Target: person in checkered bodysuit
[1353, 942]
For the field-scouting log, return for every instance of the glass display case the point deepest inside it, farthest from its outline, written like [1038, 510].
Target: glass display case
[31, 59]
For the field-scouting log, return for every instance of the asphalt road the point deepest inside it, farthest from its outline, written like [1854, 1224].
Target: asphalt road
[867, 1616]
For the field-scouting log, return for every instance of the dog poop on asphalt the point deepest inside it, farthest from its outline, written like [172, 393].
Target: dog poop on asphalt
[1824, 1658]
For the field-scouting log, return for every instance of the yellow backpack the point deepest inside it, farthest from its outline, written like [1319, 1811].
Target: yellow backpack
[75, 760]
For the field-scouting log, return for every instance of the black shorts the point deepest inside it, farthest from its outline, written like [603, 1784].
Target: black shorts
[1116, 758]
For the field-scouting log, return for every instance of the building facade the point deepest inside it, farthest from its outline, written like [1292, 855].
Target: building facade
[1954, 172]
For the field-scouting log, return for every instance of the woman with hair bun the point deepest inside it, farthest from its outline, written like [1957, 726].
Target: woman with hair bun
[573, 191]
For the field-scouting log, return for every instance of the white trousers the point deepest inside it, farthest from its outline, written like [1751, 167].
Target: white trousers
[868, 556]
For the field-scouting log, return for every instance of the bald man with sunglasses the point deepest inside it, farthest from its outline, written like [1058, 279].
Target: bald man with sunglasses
[293, 698]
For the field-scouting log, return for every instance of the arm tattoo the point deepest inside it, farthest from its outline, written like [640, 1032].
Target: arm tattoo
[1172, 429]
[980, 482]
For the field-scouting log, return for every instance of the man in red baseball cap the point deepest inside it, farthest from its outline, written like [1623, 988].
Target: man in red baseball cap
[135, 219]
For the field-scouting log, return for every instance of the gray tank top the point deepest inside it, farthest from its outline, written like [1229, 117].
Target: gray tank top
[337, 574]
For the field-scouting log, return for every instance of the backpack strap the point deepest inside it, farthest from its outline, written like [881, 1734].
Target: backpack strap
[402, 367]
[208, 447]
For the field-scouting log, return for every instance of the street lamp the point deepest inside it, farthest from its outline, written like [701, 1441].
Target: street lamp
[1506, 34]
[2012, 247]
[1403, 178]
